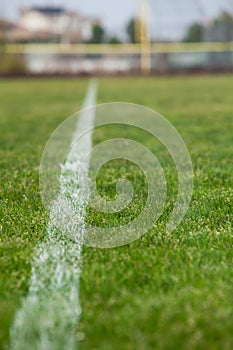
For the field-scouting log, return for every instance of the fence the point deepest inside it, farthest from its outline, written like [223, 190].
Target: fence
[123, 58]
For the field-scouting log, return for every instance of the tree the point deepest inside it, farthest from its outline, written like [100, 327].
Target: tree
[224, 17]
[114, 40]
[137, 30]
[220, 29]
[194, 33]
[131, 28]
[223, 27]
[98, 34]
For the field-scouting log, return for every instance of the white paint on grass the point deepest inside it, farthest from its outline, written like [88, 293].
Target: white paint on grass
[49, 314]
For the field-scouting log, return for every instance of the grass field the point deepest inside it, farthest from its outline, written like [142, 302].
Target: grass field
[164, 291]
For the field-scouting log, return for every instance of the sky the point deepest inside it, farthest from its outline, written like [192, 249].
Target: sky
[168, 17]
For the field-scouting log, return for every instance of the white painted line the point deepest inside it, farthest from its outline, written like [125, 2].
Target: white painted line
[49, 314]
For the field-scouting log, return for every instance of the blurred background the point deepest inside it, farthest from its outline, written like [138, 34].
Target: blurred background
[89, 37]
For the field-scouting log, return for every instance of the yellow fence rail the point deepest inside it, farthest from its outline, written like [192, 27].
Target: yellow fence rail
[117, 49]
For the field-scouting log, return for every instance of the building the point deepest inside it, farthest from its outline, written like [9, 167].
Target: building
[12, 32]
[49, 23]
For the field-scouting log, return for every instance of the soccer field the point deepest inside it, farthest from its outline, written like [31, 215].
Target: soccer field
[165, 290]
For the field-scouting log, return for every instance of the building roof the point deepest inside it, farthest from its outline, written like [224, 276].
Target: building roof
[6, 25]
[48, 10]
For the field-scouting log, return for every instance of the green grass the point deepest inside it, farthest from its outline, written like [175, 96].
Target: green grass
[164, 291]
